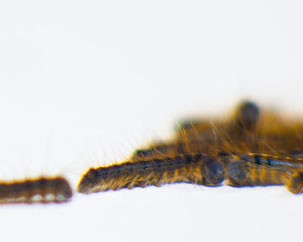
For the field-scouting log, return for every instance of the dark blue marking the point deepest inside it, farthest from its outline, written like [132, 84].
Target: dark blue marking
[285, 163]
[188, 159]
[245, 158]
[262, 161]
[258, 160]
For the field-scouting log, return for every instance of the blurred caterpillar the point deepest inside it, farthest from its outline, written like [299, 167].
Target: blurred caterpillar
[40, 190]
[252, 148]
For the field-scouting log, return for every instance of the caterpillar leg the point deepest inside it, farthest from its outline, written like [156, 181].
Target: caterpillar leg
[237, 174]
[295, 183]
[213, 172]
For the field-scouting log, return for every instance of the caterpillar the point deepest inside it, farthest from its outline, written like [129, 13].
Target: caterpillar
[238, 171]
[39, 190]
[197, 169]
[252, 148]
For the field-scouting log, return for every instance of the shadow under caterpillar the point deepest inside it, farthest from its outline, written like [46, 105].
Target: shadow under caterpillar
[252, 148]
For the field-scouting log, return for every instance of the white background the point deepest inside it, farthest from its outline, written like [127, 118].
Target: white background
[84, 83]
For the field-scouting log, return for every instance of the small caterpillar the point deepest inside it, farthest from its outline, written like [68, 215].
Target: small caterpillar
[250, 149]
[40, 190]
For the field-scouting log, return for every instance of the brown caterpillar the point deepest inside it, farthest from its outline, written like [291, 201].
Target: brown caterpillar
[40, 190]
[239, 171]
[196, 169]
[207, 153]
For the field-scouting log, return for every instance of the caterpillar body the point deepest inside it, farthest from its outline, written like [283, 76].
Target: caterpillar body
[238, 171]
[40, 190]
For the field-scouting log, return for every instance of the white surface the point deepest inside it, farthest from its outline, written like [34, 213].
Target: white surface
[84, 83]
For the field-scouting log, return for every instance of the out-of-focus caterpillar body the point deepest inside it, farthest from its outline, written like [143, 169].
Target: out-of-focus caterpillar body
[39, 190]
